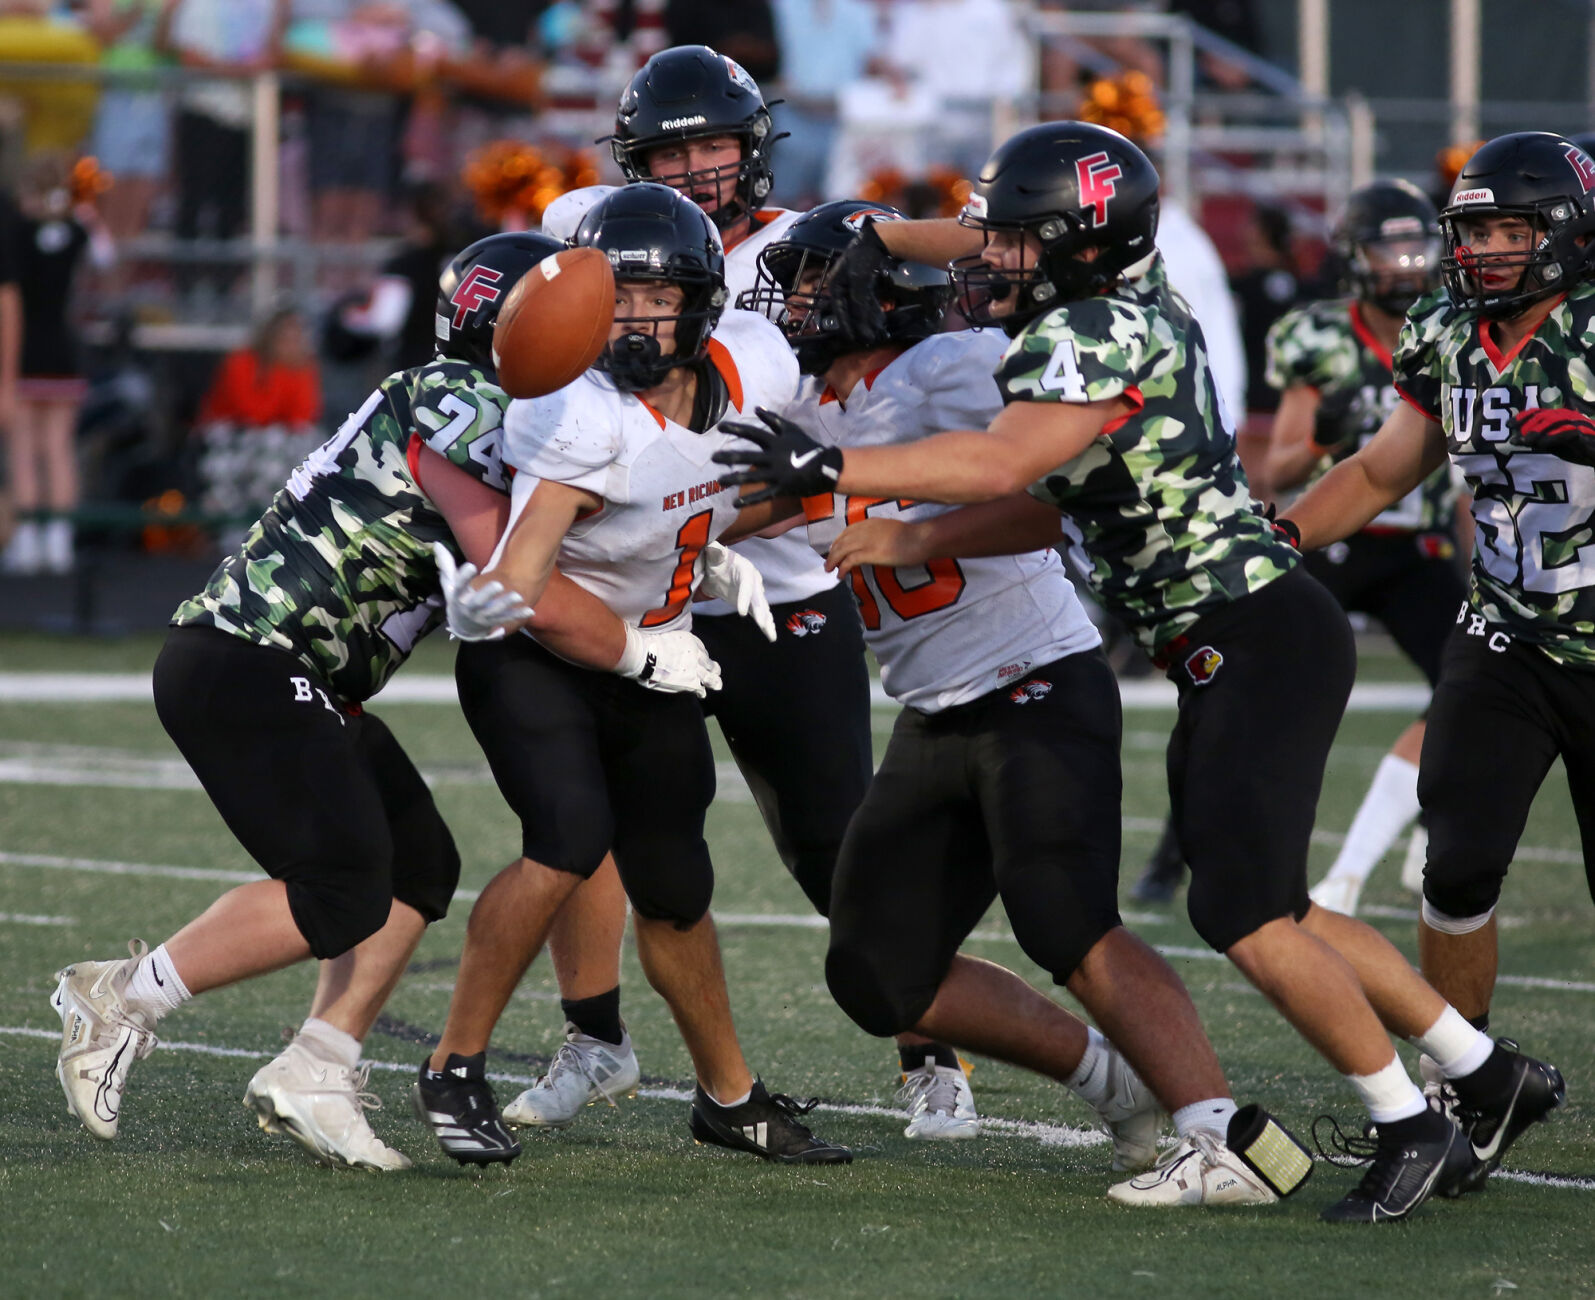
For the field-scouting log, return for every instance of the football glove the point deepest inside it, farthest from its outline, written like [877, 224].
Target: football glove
[668, 661]
[475, 613]
[783, 458]
[853, 285]
[1557, 431]
[1339, 417]
[732, 578]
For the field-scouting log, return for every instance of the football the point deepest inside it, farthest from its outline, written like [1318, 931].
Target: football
[554, 323]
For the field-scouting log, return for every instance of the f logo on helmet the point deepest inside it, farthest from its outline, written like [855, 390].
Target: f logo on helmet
[480, 285]
[1582, 165]
[1096, 173]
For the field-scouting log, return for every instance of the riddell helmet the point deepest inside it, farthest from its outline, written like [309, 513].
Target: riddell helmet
[689, 92]
[473, 287]
[790, 289]
[1388, 242]
[1073, 186]
[652, 232]
[1541, 178]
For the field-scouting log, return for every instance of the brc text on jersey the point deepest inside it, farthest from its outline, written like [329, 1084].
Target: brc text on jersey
[697, 492]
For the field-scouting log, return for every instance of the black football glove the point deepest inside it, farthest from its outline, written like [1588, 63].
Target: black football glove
[1339, 417]
[1284, 529]
[1557, 431]
[854, 287]
[785, 460]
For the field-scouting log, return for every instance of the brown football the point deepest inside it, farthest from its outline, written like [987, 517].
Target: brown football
[554, 323]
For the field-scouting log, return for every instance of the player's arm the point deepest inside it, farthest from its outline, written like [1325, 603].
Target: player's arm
[1012, 525]
[936, 240]
[569, 619]
[1407, 449]
[1292, 453]
[767, 519]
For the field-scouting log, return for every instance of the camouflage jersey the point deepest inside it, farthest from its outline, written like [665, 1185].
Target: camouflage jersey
[1329, 347]
[1534, 550]
[339, 571]
[1159, 500]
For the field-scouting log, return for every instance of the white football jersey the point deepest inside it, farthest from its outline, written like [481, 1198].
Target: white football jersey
[788, 565]
[640, 553]
[953, 630]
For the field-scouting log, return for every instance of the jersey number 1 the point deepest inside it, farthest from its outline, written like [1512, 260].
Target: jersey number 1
[691, 538]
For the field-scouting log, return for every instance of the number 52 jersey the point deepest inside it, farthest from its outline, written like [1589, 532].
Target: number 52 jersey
[953, 630]
[662, 501]
[1534, 548]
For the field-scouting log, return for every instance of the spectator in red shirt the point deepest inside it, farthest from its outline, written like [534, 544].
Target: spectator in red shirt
[272, 381]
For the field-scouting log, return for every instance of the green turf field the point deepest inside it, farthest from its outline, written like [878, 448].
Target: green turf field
[193, 1199]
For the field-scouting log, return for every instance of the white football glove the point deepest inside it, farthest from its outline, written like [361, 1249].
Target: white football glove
[668, 661]
[475, 613]
[729, 577]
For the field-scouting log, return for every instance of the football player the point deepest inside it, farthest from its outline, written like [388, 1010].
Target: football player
[1002, 776]
[1331, 360]
[261, 685]
[1494, 374]
[1112, 418]
[694, 120]
[615, 482]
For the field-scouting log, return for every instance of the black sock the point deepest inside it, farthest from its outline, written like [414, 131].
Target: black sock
[1424, 1126]
[1481, 1023]
[474, 1067]
[1489, 1080]
[912, 1056]
[597, 1017]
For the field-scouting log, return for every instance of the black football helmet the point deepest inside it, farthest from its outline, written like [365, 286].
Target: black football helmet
[473, 287]
[652, 232]
[1073, 186]
[791, 290]
[1547, 181]
[1388, 245]
[689, 92]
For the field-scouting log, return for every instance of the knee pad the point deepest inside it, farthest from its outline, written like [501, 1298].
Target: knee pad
[872, 1002]
[576, 848]
[335, 915]
[1459, 892]
[427, 875]
[666, 886]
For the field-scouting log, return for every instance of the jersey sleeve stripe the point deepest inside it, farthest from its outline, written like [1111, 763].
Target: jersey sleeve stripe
[1416, 405]
[727, 366]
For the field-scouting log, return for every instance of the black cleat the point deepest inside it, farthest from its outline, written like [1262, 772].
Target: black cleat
[459, 1107]
[765, 1125]
[1531, 1091]
[1411, 1161]
[1163, 873]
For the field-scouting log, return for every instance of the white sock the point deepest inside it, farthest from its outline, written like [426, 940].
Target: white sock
[1456, 1046]
[1212, 1114]
[1387, 809]
[329, 1043]
[156, 986]
[1389, 1094]
[737, 1101]
[1090, 1082]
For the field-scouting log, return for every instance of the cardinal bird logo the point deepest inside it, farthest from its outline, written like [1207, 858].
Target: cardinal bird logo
[1202, 664]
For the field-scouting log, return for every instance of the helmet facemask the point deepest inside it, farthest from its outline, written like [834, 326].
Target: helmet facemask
[749, 177]
[636, 361]
[1042, 280]
[1502, 284]
[1392, 274]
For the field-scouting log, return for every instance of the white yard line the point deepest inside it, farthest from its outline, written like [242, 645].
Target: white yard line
[1047, 1135]
[434, 688]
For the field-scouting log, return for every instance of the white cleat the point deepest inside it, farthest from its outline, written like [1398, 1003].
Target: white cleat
[322, 1107]
[1412, 864]
[582, 1071]
[941, 1108]
[1131, 1115]
[102, 1034]
[1198, 1170]
[1337, 894]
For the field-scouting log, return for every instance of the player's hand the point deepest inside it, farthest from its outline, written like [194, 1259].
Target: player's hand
[1558, 431]
[1339, 417]
[476, 613]
[890, 543]
[732, 578]
[854, 288]
[783, 458]
[669, 661]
